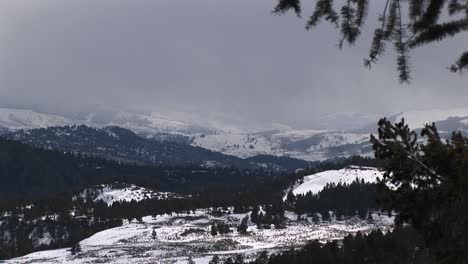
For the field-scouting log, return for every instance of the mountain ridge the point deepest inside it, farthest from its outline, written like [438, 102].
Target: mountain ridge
[124, 145]
[281, 141]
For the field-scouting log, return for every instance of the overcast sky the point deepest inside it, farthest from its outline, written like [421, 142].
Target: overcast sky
[208, 57]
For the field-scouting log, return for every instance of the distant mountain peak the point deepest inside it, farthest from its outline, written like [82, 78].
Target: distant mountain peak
[418, 118]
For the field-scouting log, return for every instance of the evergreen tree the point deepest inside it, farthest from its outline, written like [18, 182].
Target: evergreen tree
[190, 260]
[290, 198]
[431, 185]
[239, 259]
[75, 249]
[214, 229]
[242, 228]
[215, 260]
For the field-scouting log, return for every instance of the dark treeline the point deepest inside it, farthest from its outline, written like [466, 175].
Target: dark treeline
[29, 172]
[352, 199]
[402, 245]
[63, 231]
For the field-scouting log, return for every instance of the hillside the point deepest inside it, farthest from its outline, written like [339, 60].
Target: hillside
[182, 128]
[180, 236]
[315, 182]
[14, 119]
[26, 172]
[124, 145]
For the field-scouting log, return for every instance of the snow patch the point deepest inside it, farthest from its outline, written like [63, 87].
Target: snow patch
[314, 183]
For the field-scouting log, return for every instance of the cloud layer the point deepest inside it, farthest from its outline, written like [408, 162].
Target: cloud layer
[229, 59]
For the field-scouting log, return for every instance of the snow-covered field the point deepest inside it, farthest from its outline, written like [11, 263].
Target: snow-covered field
[178, 237]
[315, 182]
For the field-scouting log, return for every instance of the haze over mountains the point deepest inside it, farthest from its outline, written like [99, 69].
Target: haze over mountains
[277, 140]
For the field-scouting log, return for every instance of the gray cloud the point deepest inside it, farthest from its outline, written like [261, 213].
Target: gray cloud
[218, 58]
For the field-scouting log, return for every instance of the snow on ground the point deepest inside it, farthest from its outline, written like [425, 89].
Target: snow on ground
[110, 193]
[314, 144]
[180, 236]
[26, 119]
[315, 182]
[242, 145]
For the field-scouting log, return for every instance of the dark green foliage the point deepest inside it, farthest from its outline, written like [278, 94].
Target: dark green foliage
[75, 249]
[323, 10]
[286, 5]
[431, 182]
[215, 260]
[28, 172]
[424, 22]
[214, 230]
[220, 228]
[356, 198]
[461, 63]
[242, 228]
[273, 215]
[190, 261]
[64, 230]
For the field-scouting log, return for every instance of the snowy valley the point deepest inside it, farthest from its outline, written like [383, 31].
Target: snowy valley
[178, 237]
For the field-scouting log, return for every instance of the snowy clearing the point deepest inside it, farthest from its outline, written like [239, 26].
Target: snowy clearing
[110, 193]
[178, 237]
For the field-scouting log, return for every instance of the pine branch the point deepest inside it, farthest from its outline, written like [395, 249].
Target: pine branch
[456, 7]
[287, 5]
[391, 20]
[348, 32]
[378, 46]
[439, 32]
[323, 9]
[362, 7]
[461, 63]
[401, 49]
[399, 135]
[423, 26]
[430, 16]
[415, 7]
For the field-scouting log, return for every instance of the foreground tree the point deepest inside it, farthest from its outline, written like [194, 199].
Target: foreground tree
[427, 185]
[423, 25]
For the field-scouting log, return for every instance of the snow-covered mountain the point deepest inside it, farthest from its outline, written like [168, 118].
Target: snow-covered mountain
[13, 119]
[124, 145]
[418, 118]
[279, 141]
[303, 144]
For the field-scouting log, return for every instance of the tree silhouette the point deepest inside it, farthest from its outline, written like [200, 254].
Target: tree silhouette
[430, 185]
